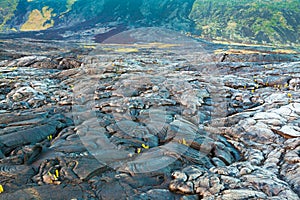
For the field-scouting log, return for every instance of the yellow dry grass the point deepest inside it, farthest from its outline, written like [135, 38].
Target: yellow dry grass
[127, 50]
[38, 20]
[239, 44]
[147, 45]
[238, 51]
[252, 51]
[89, 46]
[285, 51]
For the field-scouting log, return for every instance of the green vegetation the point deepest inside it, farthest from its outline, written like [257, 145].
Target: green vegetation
[1, 189]
[7, 9]
[267, 22]
[70, 4]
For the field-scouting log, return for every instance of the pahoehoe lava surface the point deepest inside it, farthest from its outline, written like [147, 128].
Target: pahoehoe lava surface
[147, 114]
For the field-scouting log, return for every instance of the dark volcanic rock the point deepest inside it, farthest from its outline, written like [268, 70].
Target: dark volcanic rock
[46, 192]
[152, 119]
[32, 135]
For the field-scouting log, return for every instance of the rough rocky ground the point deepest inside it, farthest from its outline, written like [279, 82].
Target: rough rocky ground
[151, 120]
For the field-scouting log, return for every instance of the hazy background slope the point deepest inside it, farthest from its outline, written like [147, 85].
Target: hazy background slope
[250, 21]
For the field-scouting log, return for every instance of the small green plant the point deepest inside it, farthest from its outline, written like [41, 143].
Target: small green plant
[145, 146]
[1, 189]
[49, 137]
[55, 176]
[183, 141]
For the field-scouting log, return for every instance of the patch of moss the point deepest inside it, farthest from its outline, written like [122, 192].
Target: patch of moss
[39, 20]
